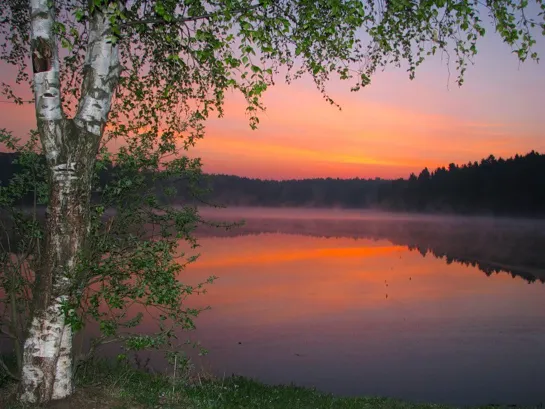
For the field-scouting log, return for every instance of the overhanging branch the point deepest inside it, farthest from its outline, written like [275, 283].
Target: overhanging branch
[101, 74]
[187, 19]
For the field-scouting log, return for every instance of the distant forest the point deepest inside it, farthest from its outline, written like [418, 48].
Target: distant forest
[514, 187]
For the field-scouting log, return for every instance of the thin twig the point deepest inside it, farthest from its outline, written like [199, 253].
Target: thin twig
[186, 19]
[174, 376]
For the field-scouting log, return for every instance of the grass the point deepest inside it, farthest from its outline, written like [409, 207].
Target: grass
[100, 385]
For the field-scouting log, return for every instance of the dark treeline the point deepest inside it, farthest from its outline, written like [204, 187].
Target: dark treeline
[513, 186]
[243, 191]
[7, 169]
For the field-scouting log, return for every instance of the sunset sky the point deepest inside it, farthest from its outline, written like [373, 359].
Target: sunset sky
[389, 129]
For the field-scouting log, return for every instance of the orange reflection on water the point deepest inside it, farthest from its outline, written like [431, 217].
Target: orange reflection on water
[262, 256]
[280, 278]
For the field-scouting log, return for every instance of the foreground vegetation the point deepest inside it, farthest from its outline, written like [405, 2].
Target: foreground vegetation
[104, 386]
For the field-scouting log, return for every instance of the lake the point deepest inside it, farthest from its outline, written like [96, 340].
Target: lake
[424, 308]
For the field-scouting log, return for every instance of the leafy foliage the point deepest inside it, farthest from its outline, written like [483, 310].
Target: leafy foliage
[133, 262]
[179, 60]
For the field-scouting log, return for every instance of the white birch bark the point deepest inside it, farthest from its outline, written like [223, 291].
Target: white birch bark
[102, 71]
[70, 147]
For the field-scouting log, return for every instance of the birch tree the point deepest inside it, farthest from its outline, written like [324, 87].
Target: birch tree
[142, 77]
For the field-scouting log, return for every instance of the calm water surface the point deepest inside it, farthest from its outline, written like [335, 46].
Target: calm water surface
[445, 310]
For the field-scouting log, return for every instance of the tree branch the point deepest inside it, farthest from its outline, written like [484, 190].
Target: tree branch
[101, 73]
[45, 63]
[186, 19]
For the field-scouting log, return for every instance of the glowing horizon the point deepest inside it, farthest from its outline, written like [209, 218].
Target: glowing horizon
[389, 129]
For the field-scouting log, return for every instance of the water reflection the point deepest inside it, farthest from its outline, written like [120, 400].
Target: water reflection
[372, 316]
[493, 245]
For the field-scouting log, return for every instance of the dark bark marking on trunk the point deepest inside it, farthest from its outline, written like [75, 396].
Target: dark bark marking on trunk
[42, 56]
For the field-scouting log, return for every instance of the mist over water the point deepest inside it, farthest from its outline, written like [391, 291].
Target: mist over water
[493, 244]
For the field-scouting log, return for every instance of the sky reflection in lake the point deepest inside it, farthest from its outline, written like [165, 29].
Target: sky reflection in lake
[445, 310]
[365, 316]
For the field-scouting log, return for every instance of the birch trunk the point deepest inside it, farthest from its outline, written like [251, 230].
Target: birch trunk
[47, 359]
[70, 147]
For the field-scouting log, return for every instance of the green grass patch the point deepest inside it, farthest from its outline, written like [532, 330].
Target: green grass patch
[105, 386]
